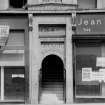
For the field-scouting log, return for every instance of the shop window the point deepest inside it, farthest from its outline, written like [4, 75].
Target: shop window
[89, 70]
[12, 84]
[12, 70]
[17, 3]
[87, 4]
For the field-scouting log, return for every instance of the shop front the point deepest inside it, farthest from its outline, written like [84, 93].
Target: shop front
[13, 63]
[89, 58]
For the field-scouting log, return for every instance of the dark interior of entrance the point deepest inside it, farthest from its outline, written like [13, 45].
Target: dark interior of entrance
[52, 69]
[52, 76]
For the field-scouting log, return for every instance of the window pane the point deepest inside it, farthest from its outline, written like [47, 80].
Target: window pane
[14, 83]
[18, 3]
[90, 70]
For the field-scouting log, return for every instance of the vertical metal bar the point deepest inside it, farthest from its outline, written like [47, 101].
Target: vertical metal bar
[2, 83]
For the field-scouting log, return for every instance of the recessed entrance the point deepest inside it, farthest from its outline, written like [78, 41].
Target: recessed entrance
[52, 81]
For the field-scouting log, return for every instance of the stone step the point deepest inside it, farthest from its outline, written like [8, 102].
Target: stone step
[53, 91]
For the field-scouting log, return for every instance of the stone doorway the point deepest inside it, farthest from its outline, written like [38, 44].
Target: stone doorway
[52, 80]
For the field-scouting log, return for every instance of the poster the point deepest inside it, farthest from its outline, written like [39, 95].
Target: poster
[86, 74]
[100, 61]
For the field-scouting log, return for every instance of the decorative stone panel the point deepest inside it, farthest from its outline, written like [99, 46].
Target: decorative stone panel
[56, 48]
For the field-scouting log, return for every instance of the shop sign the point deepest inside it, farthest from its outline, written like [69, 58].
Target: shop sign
[90, 24]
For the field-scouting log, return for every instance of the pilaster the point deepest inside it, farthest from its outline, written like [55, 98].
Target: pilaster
[69, 68]
[35, 55]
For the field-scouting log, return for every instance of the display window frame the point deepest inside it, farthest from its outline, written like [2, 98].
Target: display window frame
[88, 40]
[3, 70]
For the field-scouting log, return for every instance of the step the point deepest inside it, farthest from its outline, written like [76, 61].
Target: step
[48, 98]
[53, 90]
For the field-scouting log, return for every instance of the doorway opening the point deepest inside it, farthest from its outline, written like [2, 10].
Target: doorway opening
[52, 80]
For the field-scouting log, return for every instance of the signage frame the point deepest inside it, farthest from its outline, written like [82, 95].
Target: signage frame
[87, 24]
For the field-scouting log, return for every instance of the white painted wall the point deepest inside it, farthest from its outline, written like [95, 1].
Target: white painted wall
[100, 4]
[103, 3]
[4, 4]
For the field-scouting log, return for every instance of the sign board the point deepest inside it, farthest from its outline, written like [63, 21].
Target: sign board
[90, 24]
[100, 61]
[86, 74]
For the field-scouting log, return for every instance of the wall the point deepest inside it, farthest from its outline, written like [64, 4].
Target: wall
[4, 4]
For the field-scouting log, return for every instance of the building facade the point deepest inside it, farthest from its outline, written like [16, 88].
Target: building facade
[52, 52]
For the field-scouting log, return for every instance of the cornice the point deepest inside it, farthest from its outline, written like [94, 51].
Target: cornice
[51, 7]
[65, 11]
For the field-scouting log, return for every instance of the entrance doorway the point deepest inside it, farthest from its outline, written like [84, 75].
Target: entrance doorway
[52, 81]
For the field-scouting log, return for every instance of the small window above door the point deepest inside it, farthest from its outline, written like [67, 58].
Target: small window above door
[17, 4]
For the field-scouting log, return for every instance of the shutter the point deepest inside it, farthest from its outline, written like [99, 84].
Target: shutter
[16, 39]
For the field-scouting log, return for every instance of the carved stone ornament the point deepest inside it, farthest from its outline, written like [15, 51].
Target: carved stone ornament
[51, 7]
[53, 48]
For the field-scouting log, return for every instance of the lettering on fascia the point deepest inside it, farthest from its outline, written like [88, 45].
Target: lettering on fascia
[89, 23]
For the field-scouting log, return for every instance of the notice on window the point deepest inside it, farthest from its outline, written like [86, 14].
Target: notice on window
[100, 61]
[86, 74]
[99, 75]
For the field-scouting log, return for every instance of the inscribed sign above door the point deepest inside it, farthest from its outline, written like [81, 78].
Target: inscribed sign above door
[90, 24]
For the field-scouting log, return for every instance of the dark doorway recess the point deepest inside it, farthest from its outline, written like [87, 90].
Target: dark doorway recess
[52, 69]
[52, 78]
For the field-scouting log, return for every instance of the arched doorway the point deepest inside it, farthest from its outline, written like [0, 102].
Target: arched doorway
[52, 81]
